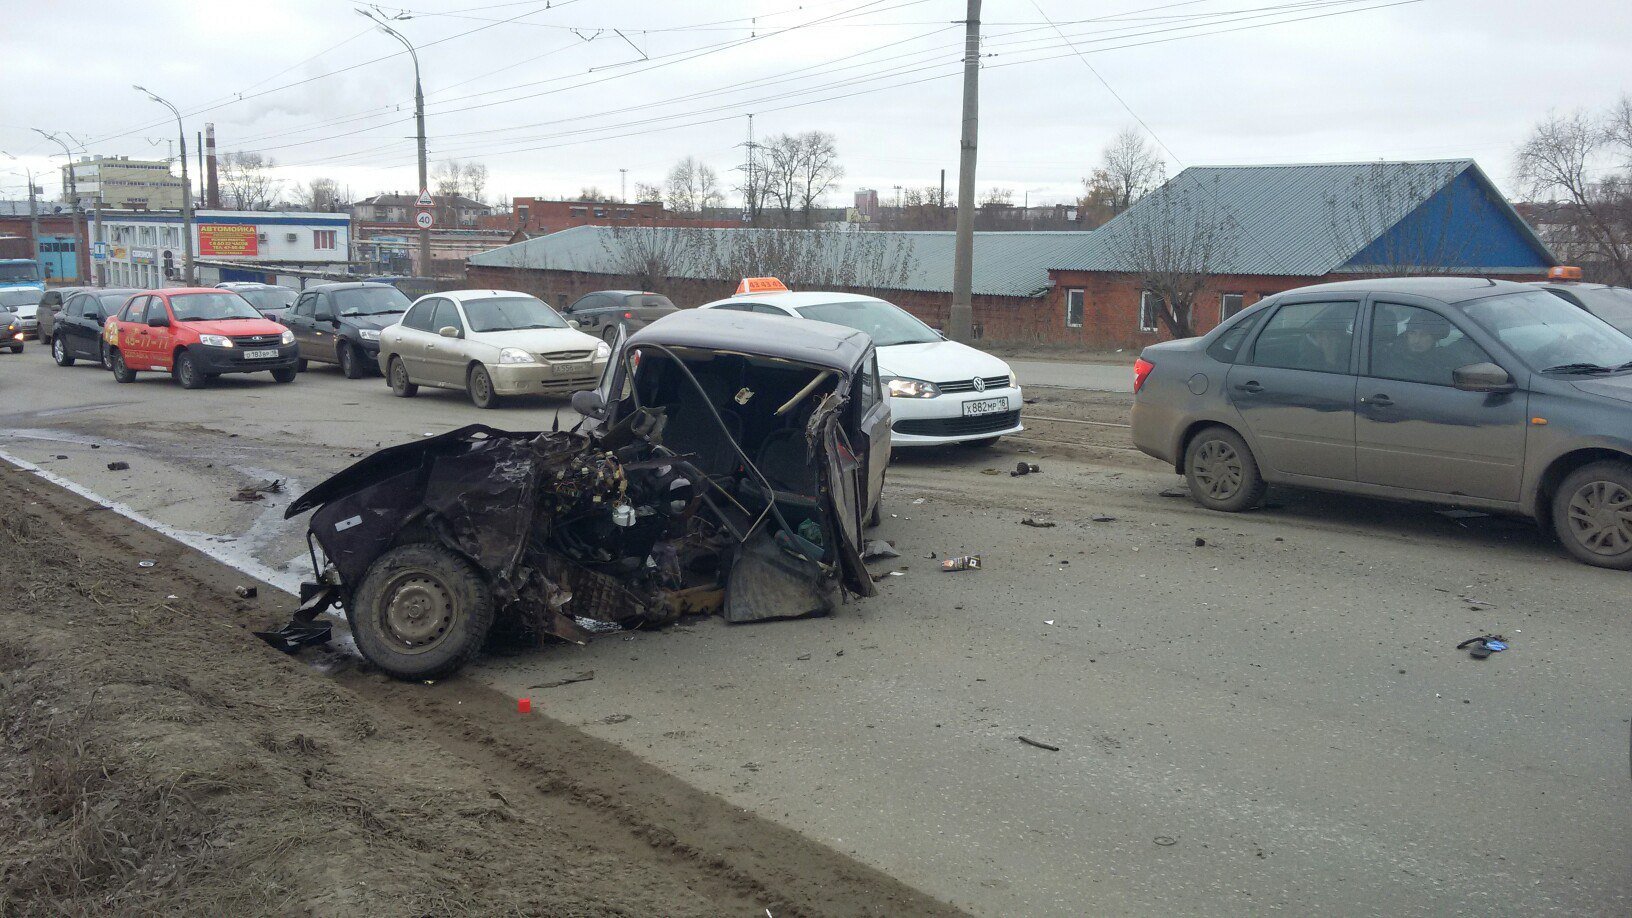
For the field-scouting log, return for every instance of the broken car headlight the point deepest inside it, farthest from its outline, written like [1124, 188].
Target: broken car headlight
[215, 340]
[903, 387]
[515, 355]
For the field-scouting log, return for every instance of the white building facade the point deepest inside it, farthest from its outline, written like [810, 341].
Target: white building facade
[145, 249]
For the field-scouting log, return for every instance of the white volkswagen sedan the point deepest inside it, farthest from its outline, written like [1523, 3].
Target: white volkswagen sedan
[940, 391]
[490, 343]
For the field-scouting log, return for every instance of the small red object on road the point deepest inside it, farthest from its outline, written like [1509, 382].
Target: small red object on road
[524, 705]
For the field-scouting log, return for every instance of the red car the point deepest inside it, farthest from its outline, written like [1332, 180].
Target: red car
[196, 334]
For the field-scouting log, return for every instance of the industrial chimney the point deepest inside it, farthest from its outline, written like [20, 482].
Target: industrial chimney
[212, 191]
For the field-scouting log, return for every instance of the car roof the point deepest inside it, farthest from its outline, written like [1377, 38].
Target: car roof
[1444, 289]
[176, 291]
[347, 285]
[466, 296]
[1573, 285]
[797, 298]
[819, 343]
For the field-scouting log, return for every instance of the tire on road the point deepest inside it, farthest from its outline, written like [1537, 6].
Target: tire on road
[59, 353]
[397, 375]
[1592, 514]
[421, 612]
[351, 364]
[1222, 472]
[480, 387]
[103, 356]
[121, 373]
[286, 375]
[186, 372]
[301, 365]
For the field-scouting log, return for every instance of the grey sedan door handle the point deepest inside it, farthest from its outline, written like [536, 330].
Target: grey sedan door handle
[1250, 386]
[1380, 401]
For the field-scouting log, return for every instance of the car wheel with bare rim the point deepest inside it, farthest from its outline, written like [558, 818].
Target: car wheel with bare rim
[187, 372]
[1592, 514]
[422, 611]
[480, 386]
[1221, 471]
[122, 373]
[351, 363]
[398, 375]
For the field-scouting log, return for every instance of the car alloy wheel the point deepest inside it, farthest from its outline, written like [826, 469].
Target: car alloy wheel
[102, 354]
[1600, 518]
[1218, 469]
[59, 353]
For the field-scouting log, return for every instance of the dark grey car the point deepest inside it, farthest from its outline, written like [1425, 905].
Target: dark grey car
[602, 312]
[1466, 392]
[341, 324]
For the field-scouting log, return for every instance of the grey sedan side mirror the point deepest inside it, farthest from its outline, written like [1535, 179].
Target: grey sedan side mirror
[589, 404]
[448, 331]
[1482, 377]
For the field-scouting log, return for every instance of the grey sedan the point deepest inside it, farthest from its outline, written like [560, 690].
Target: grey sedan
[1456, 391]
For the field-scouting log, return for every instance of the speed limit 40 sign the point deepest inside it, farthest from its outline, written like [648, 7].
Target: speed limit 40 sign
[424, 219]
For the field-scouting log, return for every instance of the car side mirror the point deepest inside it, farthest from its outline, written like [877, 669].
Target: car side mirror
[1482, 377]
[448, 331]
[589, 404]
[158, 322]
[573, 323]
[100, 320]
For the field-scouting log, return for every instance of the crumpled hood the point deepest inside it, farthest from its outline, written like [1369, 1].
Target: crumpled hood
[938, 361]
[538, 340]
[1616, 387]
[236, 327]
[375, 322]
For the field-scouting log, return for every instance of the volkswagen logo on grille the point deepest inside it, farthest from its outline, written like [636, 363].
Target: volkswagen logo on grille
[979, 384]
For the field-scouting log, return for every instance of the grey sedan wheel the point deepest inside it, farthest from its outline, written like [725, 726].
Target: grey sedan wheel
[398, 377]
[1592, 514]
[1221, 471]
[421, 612]
[480, 386]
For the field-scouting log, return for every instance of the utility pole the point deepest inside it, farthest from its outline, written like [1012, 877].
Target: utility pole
[750, 197]
[960, 321]
[419, 121]
[33, 208]
[623, 185]
[80, 261]
[187, 275]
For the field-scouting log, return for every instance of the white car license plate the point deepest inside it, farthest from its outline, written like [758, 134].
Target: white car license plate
[977, 407]
[259, 355]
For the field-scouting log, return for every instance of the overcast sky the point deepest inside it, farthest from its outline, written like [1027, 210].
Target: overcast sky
[554, 99]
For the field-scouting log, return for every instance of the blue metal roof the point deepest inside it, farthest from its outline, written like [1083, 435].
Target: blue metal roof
[1315, 219]
[1006, 264]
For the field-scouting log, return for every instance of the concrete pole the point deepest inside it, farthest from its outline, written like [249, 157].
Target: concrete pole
[424, 177]
[81, 259]
[96, 230]
[960, 322]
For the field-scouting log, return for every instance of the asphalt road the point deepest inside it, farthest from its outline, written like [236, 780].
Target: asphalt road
[1276, 719]
[1065, 374]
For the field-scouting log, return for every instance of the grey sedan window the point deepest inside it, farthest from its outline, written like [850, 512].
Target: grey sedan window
[1308, 336]
[419, 317]
[1412, 344]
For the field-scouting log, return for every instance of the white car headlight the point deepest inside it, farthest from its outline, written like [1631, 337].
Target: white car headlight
[217, 340]
[515, 355]
[368, 334]
[904, 387]
[603, 351]
[288, 337]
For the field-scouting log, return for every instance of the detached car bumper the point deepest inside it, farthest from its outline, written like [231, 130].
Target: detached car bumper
[945, 419]
[545, 378]
[232, 360]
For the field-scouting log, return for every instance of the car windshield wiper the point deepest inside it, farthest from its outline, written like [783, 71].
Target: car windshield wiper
[1579, 368]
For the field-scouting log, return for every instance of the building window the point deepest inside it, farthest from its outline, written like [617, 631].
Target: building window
[1229, 304]
[323, 239]
[1147, 311]
[1073, 308]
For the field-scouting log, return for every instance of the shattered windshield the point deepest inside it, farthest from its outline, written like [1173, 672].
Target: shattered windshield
[370, 301]
[886, 323]
[511, 313]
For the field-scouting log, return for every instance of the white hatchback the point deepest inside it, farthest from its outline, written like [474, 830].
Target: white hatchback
[940, 391]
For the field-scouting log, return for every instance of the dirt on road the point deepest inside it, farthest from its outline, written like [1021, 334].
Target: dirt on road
[161, 760]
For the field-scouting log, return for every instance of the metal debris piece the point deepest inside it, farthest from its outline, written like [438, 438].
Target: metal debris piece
[1039, 744]
[585, 676]
[1166, 841]
[965, 563]
[878, 548]
[146, 563]
[247, 592]
[1035, 523]
[1104, 519]
[118, 466]
[258, 492]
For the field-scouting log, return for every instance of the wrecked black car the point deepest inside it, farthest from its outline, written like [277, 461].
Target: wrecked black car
[724, 465]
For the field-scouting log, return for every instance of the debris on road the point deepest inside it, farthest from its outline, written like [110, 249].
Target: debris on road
[585, 676]
[1166, 841]
[990, 472]
[878, 548]
[1201, 542]
[1483, 646]
[259, 492]
[1036, 523]
[1025, 468]
[965, 563]
[1173, 492]
[1104, 519]
[524, 705]
[146, 563]
[1039, 744]
[247, 592]
[118, 466]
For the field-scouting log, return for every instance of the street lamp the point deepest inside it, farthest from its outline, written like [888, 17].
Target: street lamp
[73, 205]
[419, 119]
[33, 207]
[186, 194]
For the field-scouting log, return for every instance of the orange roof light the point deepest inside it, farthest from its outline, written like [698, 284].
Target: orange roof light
[1564, 273]
[761, 285]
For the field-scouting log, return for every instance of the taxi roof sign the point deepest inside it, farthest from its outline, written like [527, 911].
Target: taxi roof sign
[1564, 273]
[760, 285]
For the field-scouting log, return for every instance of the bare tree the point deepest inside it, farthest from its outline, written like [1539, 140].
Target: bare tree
[476, 181]
[1174, 243]
[1367, 219]
[319, 195]
[693, 186]
[1583, 163]
[591, 193]
[648, 192]
[247, 182]
[1129, 168]
[449, 178]
[997, 197]
[798, 170]
[650, 256]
